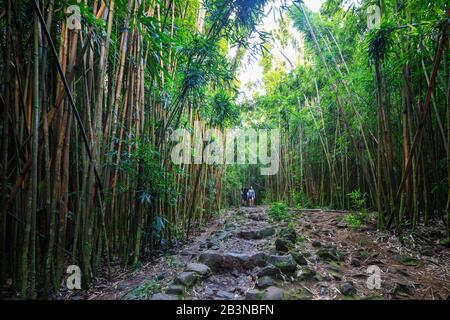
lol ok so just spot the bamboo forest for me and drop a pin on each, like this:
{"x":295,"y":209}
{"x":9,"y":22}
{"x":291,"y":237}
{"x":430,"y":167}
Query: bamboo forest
{"x":225,"y":150}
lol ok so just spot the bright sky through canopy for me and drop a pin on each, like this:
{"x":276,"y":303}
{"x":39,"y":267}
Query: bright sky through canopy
{"x":250,"y":73}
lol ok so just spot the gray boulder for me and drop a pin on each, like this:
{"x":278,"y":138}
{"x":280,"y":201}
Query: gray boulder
{"x":299,"y":258}
{"x":288,"y":234}
{"x":225,"y":295}
{"x":198,"y":268}
{"x":175,"y":290}
{"x":306,"y":274}
{"x":273,"y":293}
{"x":282,"y":245}
{"x":227,"y":261}
{"x":253,"y":295}
{"x":268,"y":271}
{"x":286,"y":264}
{"x":329,"y":254}
{"x":186,"y":279}
{"x":256,"y":234}
{"x":265,"y":282}
{"x":347,"y":288}
{"x":163,"y":296}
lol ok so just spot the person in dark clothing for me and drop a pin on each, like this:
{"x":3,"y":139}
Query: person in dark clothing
{"x":244,"y":192}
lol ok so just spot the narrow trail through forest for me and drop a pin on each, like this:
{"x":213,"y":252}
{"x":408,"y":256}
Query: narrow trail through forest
{"x":245,"y":255}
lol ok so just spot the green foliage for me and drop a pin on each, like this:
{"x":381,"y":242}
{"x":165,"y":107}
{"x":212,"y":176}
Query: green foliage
{"x":278,"y":212}
{"x":268,"y":197}
{"x":353,"y":220}
{"x":444,"y":242}
{"x":410,"y":261}
{"x":143,"y":165}
{"x":379,"y":43}
{"x":158,"y":229}
{"x":358,"y":203}
{"x":145,"y":291}
{"x":358,"y":200}
{"x":221,"y":110}
{"x":356,"y":219}
{"x":301,"y":200}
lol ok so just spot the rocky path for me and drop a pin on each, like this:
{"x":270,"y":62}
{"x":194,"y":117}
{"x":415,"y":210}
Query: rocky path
{"x":245,"y":255}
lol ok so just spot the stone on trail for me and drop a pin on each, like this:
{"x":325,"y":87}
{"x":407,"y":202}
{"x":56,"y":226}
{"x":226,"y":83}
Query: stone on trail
{"x":273,"y":293}
{"x":229,"y":261}
{"x":266,"y":232}
{"x":286,"y":264}
{"x":225,"y":295}
{"x":299,"y":258}
{"x":253,"y":295}
{"x":329,"y":254}
{"x":212,"y":259}
{"x":186,"y":279}
{"x":163,"y":296}
{"x":347,"y":288}
{"x":282,"y":245}
{"x":256,"y":234}
{"x":175,"y":290}
{"x":217,"y":237}
{"x":265,"y":282}
{"x":243,"y":260}
{"x":268,"y":271}
{"x":306,"y":274}
{"x":257,"y":216}
{"x":198,"y":268}
{"x":253,"y":210}
{"x":288,"y":234}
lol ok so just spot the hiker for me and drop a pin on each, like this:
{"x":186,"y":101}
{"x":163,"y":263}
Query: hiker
{"x":244,"y":196}
{"x":251,"y":196}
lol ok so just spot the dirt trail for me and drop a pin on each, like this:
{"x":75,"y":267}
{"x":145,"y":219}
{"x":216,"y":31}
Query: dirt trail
{"x":245,"y":255}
